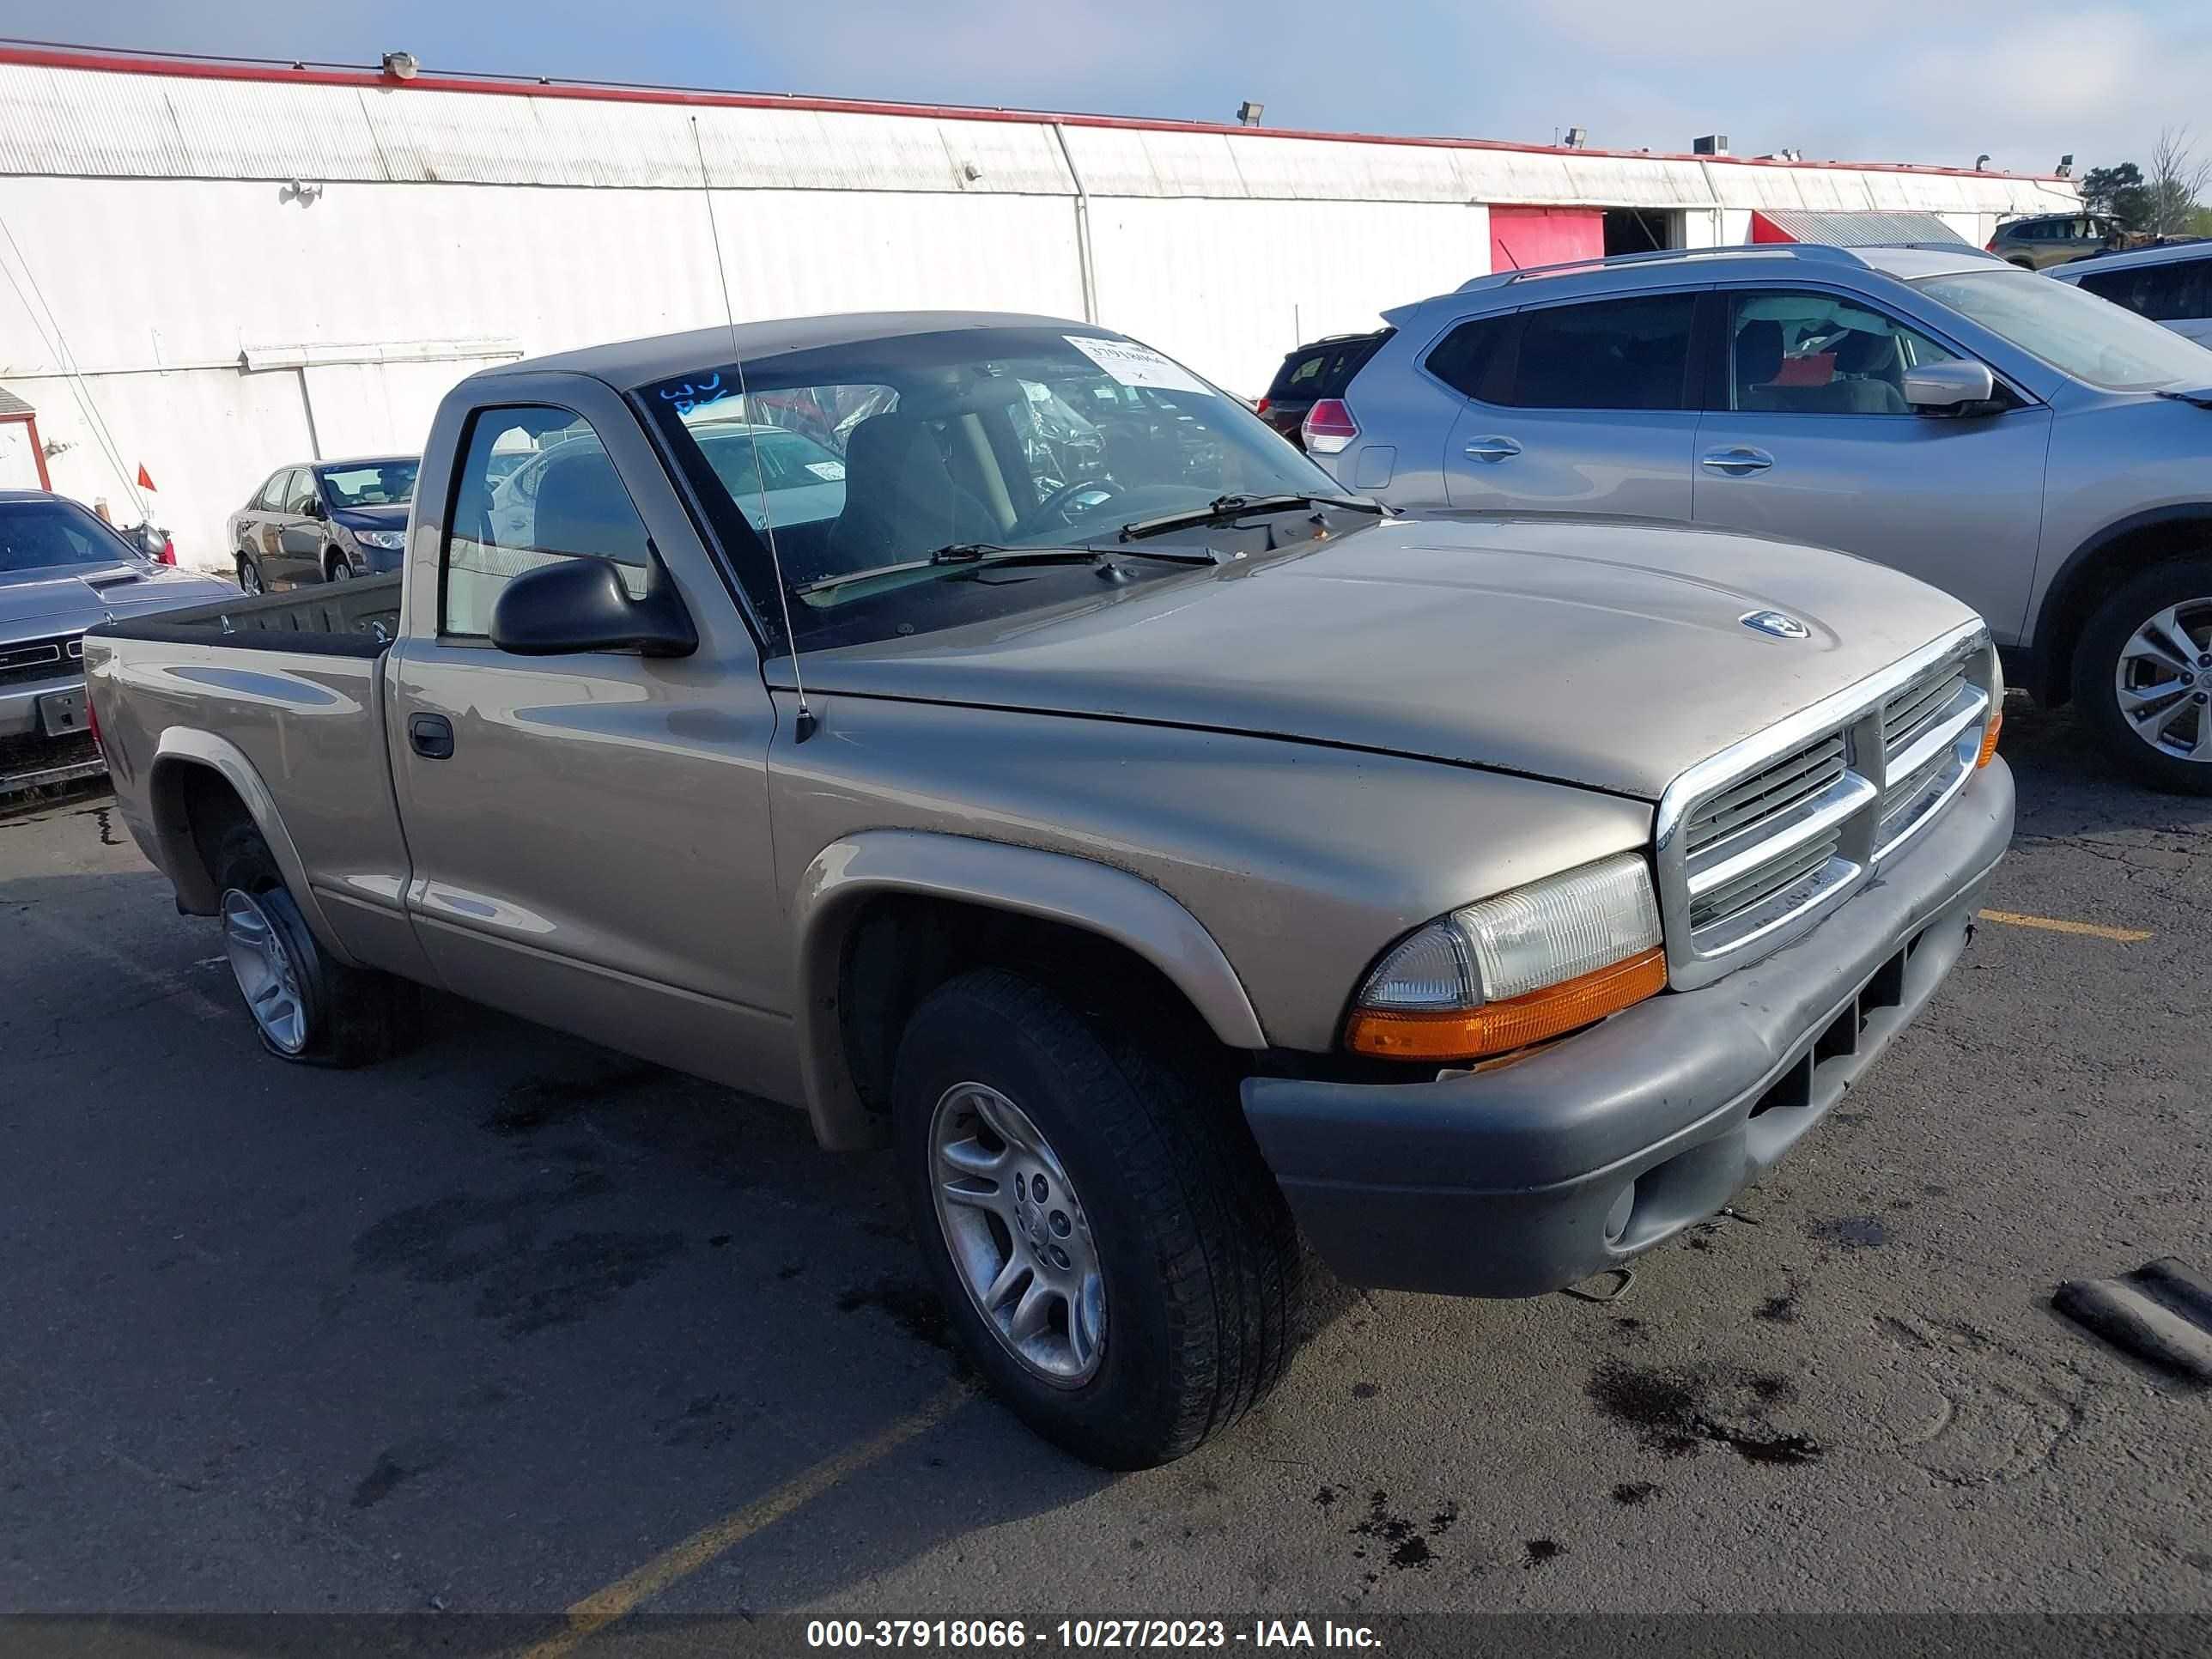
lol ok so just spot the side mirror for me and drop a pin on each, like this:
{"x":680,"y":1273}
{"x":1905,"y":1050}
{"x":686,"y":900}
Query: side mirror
{"x":1953,"y":387}
{"x":577,"y":604}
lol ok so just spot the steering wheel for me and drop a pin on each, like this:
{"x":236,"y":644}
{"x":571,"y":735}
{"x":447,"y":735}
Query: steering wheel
{"x":1103,"y":489}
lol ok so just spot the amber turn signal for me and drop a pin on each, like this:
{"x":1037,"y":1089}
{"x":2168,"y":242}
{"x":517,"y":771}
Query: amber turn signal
{"x":1990,"y":738}
{"x":1499,"y":1028}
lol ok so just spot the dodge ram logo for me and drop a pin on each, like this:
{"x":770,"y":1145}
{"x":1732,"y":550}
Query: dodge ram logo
{"x":1779,"y":623}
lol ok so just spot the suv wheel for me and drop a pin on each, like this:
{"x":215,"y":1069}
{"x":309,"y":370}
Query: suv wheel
{"x":2143,"y":674}
{"x":249,"y":576}
{"x":1109,"y":1245}
{"x":305,"y":1006}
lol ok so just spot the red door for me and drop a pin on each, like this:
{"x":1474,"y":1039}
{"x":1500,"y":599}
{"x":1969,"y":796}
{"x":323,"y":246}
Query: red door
{"x":1524,"y":236}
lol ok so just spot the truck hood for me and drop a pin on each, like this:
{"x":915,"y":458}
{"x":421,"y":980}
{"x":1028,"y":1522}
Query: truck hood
{"x":1607,"y":654}
{"x":69,"y":599}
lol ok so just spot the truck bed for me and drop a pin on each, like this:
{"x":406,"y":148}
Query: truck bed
{"x":341,"y":619}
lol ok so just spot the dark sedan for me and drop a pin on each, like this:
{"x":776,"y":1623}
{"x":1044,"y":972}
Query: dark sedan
{"x":325,"y":521}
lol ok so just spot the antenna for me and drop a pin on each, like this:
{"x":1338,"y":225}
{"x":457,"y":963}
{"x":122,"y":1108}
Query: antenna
{"x":803,"y":728}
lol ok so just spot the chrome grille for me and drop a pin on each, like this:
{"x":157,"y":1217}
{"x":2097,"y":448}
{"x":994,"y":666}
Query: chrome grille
{"x":1930,"y":733}
{"x":1757,"y":887}
{"x":1742,"y":809}
{"x":1913,"y":710}
{"x":1758,"y":843}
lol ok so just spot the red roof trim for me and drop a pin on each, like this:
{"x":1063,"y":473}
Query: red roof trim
{"x":270,"y":72}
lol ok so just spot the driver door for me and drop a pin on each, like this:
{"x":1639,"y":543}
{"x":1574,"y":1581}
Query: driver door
{"x":589,"y":831}
{"x":1807,"y":436}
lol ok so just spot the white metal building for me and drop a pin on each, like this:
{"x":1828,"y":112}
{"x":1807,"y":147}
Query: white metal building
{"x":218,"y":268}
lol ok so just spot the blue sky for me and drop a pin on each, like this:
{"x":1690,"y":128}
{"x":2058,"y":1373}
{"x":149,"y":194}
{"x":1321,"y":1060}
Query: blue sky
{"x":1895,"y":80}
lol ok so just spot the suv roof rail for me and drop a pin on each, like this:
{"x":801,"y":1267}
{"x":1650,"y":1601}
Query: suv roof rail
{"x":1816,"y":250}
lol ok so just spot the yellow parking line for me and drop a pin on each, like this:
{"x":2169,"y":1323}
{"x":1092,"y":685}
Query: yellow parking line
{"x":2053,"y":925}
{"x":602,"y":1607}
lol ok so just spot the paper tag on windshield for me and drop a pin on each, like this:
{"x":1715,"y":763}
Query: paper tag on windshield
{"x":828,"y":471}
{"x":1135,"y":365}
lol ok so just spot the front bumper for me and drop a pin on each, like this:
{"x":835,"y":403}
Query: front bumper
{"x":1529,"y":1176}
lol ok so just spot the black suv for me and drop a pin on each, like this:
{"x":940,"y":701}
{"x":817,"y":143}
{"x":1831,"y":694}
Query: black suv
{"x":1311,"y":372}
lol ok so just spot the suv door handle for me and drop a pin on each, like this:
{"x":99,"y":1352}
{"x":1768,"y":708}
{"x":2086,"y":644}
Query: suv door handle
{"x":431,"y":736}
{"x":1493,"y":449}
{"x":1737,"y":460}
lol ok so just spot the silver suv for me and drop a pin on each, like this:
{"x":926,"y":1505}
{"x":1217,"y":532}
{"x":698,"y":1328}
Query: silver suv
{"x":2045,"y":456}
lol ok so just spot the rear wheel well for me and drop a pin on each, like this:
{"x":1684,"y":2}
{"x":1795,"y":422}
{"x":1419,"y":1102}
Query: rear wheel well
{"x":196,"y":808}
{"x":901,"y":947}
{"x":2093,"y":579}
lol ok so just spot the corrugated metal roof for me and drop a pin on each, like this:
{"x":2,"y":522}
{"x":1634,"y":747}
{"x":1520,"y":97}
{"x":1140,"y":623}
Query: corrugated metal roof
{"x":74,"y":113}
{"x":1859,"y":229}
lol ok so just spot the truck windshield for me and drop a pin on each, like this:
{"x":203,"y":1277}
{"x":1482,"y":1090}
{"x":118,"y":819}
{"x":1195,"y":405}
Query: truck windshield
{"x":2076,"y":333}
{"x":47,"y":534}
{"x":872,"y":455}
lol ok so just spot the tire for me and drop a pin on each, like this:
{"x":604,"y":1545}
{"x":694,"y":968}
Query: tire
{"x":338,"y":570}
{"x":1198,"y":1259}
{"x":345,"y":1017}
{"x":2113,"y":648}
{"x":249,"y":576}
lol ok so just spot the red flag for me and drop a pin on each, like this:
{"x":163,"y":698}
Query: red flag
{"x":144,"y":483}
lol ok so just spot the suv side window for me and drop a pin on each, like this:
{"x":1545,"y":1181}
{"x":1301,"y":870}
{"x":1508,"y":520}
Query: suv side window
{"x":1469,"y":358}
{"x":574,"y":507}
{"x":1792,"y":352}
{"x":2166,"y":293}
{"x":1608,"y":354}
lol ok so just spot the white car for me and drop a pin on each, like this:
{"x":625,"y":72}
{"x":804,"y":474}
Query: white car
{"x":2171,"y":285}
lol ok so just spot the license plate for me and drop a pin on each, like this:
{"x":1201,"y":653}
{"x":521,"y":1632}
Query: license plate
{"x":61,"y":712}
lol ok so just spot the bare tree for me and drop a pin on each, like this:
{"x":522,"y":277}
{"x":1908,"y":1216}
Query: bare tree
{"x":2177,"y":178}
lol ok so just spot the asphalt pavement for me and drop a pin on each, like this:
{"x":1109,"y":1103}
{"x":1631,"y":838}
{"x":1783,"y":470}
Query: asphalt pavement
{"x":514,"y":1323}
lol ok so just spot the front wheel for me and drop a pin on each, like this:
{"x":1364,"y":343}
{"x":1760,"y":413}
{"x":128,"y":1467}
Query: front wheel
{"x":338,"y":571}
{"x":1109,"y":1245}
{"x":2142,"y":676}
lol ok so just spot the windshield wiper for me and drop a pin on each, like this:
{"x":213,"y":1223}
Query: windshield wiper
{"x":2202,"y":397}
{"x":1232,"y":507}
{"x":992,"y":553}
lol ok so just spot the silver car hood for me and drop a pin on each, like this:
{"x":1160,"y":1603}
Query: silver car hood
{"x":1606,"y":654}
{"x":68,"y":600}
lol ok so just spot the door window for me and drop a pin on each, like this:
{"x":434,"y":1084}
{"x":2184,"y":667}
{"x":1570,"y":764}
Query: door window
{"x":535,"y":485}
{"x":300,"y":493}
{"x":1793,"y":353}
{"x":1615,"y":354}
{"x":271,"y":498}
{"x":2175,"y":292}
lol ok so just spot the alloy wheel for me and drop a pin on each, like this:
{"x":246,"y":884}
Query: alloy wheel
{"x":249,"y":576}
{"x":2163,"y":680}
{"x":1017,"y":1234}
{"x":264,"y":971}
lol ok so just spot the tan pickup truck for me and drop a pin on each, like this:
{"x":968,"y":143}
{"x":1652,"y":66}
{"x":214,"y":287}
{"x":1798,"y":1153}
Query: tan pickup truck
{"x":983,"y":733}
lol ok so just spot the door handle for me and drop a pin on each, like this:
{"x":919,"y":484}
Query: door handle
{"x":1493,"y":450}
{"x":431,"y":736}
{"x":1737,"y":461}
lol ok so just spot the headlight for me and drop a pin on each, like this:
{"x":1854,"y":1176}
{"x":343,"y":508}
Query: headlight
{"x":391,"y":541}
{"x":1512,"y":970}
